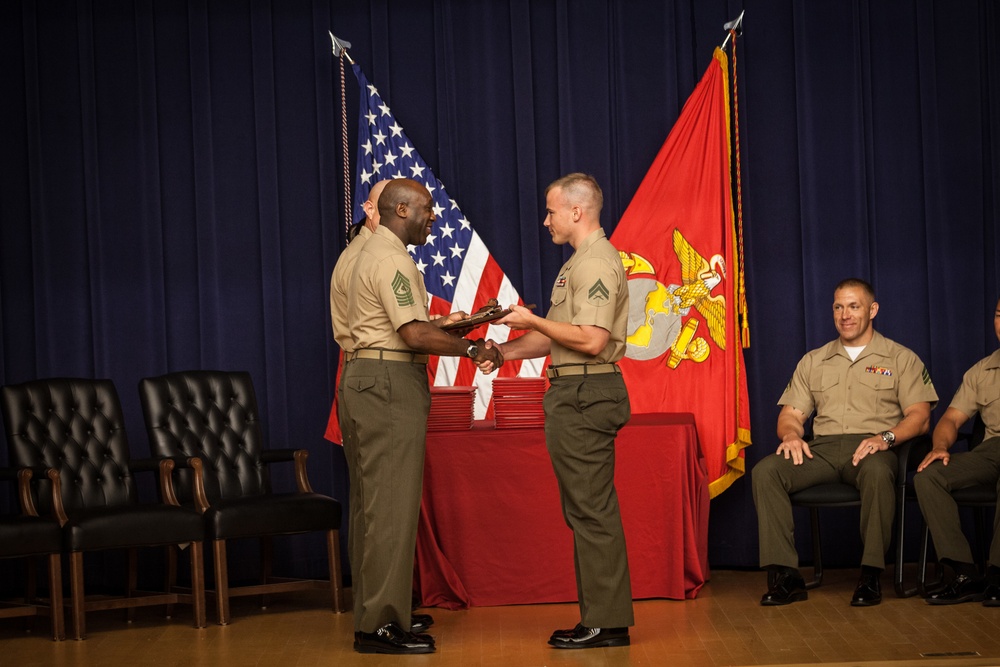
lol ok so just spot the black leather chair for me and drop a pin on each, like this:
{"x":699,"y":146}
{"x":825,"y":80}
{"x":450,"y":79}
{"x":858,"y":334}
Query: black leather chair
{"x":74,"y":429}
{"x":27,"y":536}
{"x":838,"y":494}
{"x":980,"y":498}
{"x":207,"y":422}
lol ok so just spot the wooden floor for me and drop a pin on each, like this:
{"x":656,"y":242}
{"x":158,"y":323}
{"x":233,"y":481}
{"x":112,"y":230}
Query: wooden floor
{"x":724,"y":626}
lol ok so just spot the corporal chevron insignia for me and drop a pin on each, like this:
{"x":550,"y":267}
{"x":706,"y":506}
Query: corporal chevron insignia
{"x":926,"y":376}
{"x":401,"y":288}
{"x":598,"y":294}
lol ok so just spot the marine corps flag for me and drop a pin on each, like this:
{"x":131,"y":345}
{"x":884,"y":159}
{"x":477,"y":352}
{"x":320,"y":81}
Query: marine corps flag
{"x":677,"y":239}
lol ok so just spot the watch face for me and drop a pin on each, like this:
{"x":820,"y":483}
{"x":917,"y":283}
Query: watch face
{"x":473,"y":351}
{"x":889,"y":437}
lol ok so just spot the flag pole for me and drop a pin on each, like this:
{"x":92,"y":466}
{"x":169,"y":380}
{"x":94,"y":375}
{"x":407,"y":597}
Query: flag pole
{"x":341,"y":46}
{"x":340,"y":53}
{"x":734,"y":25}
{"x":735,"y":28}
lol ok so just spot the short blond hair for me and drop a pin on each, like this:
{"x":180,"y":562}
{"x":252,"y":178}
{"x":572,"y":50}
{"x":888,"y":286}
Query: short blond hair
{"x":581,"y":189}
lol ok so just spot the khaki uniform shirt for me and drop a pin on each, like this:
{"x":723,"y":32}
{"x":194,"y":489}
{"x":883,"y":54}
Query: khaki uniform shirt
{"x":386,"y":292}
{"x":339,"y":284}
{"x":591,"y":289}
{"x":980,"y":392}
{"x":867,"y":395}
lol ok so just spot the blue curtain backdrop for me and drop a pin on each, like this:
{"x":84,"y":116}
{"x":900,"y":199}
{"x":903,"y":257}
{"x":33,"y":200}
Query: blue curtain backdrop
{"x":171,"y":180}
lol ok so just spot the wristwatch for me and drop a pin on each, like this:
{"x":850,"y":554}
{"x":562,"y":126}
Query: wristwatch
{"x":889,"y":437}
{"x":473,"y":351}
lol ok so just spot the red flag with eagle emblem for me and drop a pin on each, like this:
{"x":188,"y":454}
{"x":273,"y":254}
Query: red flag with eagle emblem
{"x":677,"y":239}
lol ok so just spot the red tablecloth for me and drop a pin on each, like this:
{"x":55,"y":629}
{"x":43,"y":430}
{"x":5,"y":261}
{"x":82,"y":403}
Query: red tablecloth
{"x":492,"y":532}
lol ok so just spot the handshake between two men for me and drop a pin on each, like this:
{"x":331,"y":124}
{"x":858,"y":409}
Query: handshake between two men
{"x":489,"y":355}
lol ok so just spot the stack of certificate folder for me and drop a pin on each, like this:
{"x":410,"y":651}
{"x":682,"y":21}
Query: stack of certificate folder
{"x":451,"y":408}
{"x":517,"y":402}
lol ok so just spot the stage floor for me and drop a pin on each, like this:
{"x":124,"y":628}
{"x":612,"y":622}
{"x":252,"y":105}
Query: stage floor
{"x":723,"y":626}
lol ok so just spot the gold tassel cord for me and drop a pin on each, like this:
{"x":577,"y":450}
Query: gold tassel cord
{"x":742,"y":305}
{"x":343,"y":133}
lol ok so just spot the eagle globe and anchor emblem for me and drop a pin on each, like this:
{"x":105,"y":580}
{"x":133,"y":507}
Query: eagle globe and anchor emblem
{"x":660,"y":317}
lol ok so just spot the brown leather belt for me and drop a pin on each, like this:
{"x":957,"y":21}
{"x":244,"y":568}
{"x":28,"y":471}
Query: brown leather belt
{"x":581,"y":369}
{"x":390,"y":355}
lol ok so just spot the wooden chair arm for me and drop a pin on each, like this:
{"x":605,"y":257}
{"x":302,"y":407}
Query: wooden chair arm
{"x":200,"y":497}
{"x":24,"y":492}
{"x":166,"y":467}
{"x":301,"y":478}
{"x":299,"y":456}
{"x":57,"y":501}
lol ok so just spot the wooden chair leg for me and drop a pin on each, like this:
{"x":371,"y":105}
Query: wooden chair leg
{"x":336,"y":582}
{"x":170,"y":551}
{"x":817,"y":550}
{"x":133,"y":577}
{"x":31,"y":583}
{"x":922,"y":573}
{"x":983,"y":536}
{"x":76,"y":594}
{"x":56,"y":598}
{"x":266,"y":567}
{"x":898,"y":580}
{"x":30,"y":590}
{"x":198,"y":584}
{"x":221,"y":581}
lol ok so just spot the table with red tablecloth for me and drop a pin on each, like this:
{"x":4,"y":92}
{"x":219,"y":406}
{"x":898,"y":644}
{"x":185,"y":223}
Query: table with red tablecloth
{"x":492,"y":531}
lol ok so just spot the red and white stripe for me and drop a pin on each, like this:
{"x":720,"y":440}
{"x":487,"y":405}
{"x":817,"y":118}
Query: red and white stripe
{"x":481,"y":279}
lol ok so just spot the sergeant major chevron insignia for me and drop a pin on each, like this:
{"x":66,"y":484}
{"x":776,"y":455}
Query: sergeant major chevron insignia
{"x":401,"y":288}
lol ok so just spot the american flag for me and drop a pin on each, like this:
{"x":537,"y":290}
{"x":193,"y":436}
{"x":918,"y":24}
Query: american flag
{"x":459,"y":271}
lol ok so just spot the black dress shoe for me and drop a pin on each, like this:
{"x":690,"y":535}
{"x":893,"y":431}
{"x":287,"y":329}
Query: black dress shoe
{"x":420,"y":622}
{"x":784,"y":588}
{"x":392,"y":639}
{"x":868,"y":592}
{"x":991,"y":595}
{"x":962,"y":588}
{"x":583,"y":637}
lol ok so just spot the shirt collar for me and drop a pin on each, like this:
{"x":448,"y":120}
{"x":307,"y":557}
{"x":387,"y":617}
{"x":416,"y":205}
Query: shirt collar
{"x":876,"y":346}
{"x":591,"y":239}
{"x":391,"y":237}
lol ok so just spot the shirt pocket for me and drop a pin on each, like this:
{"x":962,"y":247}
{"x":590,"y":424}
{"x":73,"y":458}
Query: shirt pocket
{"x":879,"y":392}
{"x":824,"y":381}
{"x":990,"y":408}
{"x":877,"y":382}
{"x":558,"y":295}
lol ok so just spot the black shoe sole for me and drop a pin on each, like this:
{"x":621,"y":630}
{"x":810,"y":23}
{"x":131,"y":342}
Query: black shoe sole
{"x":392,"y":651}
{"x":973,"y":597}
{"x":795,"y":597}
{"x":604,"y":643}
{"x":866,"y":603}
